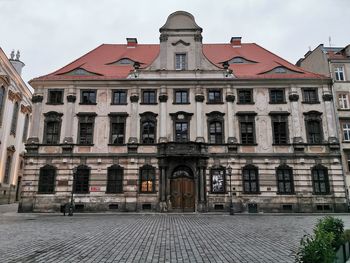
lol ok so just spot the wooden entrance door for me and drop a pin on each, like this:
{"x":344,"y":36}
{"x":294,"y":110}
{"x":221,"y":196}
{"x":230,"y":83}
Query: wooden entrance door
{"x":182,"y":194}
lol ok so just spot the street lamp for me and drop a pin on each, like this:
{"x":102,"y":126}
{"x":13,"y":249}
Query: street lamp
{"x":229,"y":171}
{"x":70,"y":209}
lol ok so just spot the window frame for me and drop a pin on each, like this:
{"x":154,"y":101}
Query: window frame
{"x":151,"y":118}
{"x":185,"y":91}
{"x":183,"y":64}
{"x":119,"y":102}
{"x":92,"y":91}
{"x":216,"y":117}
{"x":247,"y":119}
{"x":343,"y":102}
{"x":181,"y":117}
{"x":49,"y":98}
{"x":56,"y":118}
{"x":275,"y":101}
{"x":313,"y":117}
{"x":25,"y":128}
{"x":307,"y":98}
{"x":84,"y":185}
{"x":339,"y":73}
{"x":8,"y":168}
{"x":280,"y":118}
{"x":149,"y":177}
{"x":2,"y":102}
{"x":219,"y":99}
{"x":144,"y":91}
{"x":250,"y":168}
{"x":49,"y":182}
{"x":212,"y":171}
{"x":115,"y":185}
{"x":317,"y":182}
{"x":117,"y":118}
{"x":83,"y":118}
{"x":346,"y":131}
{"x":245,"y":101}
{"x":285,"y":168}
{"x":14,"y":120}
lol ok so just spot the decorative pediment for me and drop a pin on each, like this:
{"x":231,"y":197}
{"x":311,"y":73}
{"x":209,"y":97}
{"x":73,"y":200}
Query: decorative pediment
{"x":180,"y":42}
{"x":80,"y":72}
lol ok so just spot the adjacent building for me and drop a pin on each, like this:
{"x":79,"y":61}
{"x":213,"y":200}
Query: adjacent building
{"x":334,"y":62}
{"x":183,"y":126}
{"x":15,"y":115}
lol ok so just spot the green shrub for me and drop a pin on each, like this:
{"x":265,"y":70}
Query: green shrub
{"x":346,"y":235}
{"x":333,"y":225}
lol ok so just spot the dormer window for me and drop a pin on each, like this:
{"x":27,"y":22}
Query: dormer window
{"x":240,"y":60}
{"x":180,"y":61}
{"x":124,"y":61}
{"x":280,"y":70}
{"x":80,"y":72}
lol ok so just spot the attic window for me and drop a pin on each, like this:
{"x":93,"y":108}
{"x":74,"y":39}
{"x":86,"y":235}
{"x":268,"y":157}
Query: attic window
{"x":280,"y":70}
{"x":240,"y":60}
{"x":124,"y":61}
{"x":79,"y":72}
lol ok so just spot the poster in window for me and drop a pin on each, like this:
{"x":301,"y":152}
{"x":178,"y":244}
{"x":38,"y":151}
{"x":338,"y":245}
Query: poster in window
{"x":218,"y":181}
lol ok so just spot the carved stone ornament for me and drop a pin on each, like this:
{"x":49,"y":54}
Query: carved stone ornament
{"x":327,"y":97}
{"x":230,"y":98}
{"x":26,"y":109}
{"x":163,"y":98}
{"x":17,"y":96}
{"x":134,"y":98}
{"x":37,"y":98}
{"x":198,"y":38}
{"x":71,"y":98}
{"x":199,"y":97}
{"x":163,"y":37}
{"x":293,"y":97}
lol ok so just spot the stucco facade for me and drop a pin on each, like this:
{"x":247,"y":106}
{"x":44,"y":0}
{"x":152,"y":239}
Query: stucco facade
{"x":184,"y":130}
{"x":15,"y":114}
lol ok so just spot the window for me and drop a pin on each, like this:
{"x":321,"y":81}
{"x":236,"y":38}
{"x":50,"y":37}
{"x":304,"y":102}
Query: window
{"x":181,"y":97}
{"x":149,"y":97}
{"x":147,"y":179}
{"x":346,"y":131}
{"x":8,"y":168}
{"x":117,"y":126}
{"x":180,"y":61}
{"x":148,"y":127}
{"x":277,"y":96}
{"x":310,"y":95}
{"x":81,"y":180}
{"x":339,"y":73}
{"x":215,"y":127}
{"x":320,"y":180}
{"x":285,"y":183}
{"x":181,"y":126}
{"x":88,"y":97}
{"x":2,"y":102}
{"x":313,"y":124}
{"x":247,"y":128}
{"x":115,"y":179}
{"x":250,"y":179}
{"x":86,"y":128}
{"x":25,"y":128}
{"x":119,"y":97}
{"x":55,"y":97}
{"x":52,"y":127}
{"x":343,"y":100}
{"x":280,"y":129}
{"x":47,"y":180}
{"x":14,"y":119}
{"x":218,"y":180}
{"x":214,"y":96}
{"x":348,"y":157}
{"x":245,"y":96}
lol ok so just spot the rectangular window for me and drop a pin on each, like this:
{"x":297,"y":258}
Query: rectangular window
{"x":119,"y":97}
{"x":181,"y":97}
{"x":46,"y":180}
{"x":88,"y":97}
{"x":181,"y":131}
{"x":147,"y":180}
{"x":214,"y":96}
{"x":285,"y":181}
{"x":117,"y":129}
{"x":81,"y":182}
{"x":348,"y":157}
{"x":180,"y":61}
{"x":280,"y":129}
{"x":339,"y":73}
{"x":55,"y":97}
{"x":346,"y":131}
{"x":310,"y":95}
{"x":218,"y":180}
{"x":52,"y":132}
{"x":86,"y":129}
{"x":277,"y":96}
{"x":245,"y":96}
{"x":115,"y":180}
{"x":247,"y":128}
{"x":8,"y":168}
{"x":320,"y":181}
{"x":314,"y":131}
{"x":343,"y":100}
{"x":250,"y":180}
{"x":149,"y":97}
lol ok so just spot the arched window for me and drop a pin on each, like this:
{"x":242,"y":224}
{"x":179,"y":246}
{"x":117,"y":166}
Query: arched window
{"x":147,"y":179}
{"x":2,"y":102}
{"x":8,"y":168}
{"x":250,"y":179}
{"x":115,"y":179}
{"x":25,"y":128}
{"x":215,"y":127}
{"x":148,"y":127}
{"x":313,"y":124}
{"x":285,"y":184}
{"x":81,"y":180}
{"x":14,"y":118}
{"x":218,"y":181}
{"x":52,"y":128}
{"x":47,"y":180}
{"x":320,"y":180}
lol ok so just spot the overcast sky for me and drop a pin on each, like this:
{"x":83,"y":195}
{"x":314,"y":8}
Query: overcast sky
{"x":52,"y":33}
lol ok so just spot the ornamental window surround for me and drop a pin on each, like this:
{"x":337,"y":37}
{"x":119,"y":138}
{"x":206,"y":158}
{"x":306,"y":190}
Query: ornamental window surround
{"x":148,"y":124}
{"x":147,"y":179}
{"x":181,"y":122}
{"x":115,"y":174}
{"x":320,"y":180}
{"x":250,"y":176}
{"x":86,"y":128}
{"x":279,"y":123}
{"x":52,"y":127}
{"x":47,"y":176}
{"x":285,"y":183}
{"x":313,"y":125}
{"x":215,"y":122}
{"x":117,"y":127}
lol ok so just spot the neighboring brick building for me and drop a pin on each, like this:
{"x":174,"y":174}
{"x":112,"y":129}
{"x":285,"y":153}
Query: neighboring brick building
{"x":334,"y":62}
{"x":183,"y":126}
{"x":15,"y":114}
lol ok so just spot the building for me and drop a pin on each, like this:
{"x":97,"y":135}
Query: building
{"x":334,"y":62}
{"x":183,"y":126}
{"x":15,"y":115}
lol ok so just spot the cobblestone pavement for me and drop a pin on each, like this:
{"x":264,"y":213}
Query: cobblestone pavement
{"x":151,"y":237}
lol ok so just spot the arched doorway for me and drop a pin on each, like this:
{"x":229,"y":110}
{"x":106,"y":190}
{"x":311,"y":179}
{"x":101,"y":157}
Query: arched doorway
{"x":182,"y":189}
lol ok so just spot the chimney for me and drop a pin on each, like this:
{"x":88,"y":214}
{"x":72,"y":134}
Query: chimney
{"x":131,"y":42}
{"x":236,"y":41}
{"x":16,"y":63}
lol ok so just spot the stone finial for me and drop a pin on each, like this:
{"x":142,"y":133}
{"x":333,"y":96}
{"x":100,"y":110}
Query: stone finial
{"x":12,"y":56}
{"x":18,"y":54}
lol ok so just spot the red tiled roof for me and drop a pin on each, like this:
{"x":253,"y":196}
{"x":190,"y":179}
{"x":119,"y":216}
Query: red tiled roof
{"x":98,"y":62}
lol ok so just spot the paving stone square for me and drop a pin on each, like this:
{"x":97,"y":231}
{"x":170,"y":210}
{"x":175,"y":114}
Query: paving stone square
{"x":152,"y":237}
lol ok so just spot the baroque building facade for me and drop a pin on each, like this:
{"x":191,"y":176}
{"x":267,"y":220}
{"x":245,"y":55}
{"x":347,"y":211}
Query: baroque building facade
{"x":15,"y":115}
{"x":183,"y":126}
{"x":334,"y":62}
